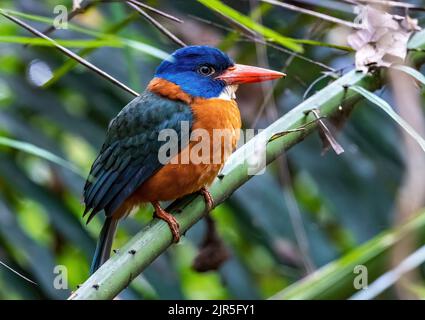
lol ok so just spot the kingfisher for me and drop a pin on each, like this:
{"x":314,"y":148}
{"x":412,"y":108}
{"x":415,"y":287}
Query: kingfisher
{"x":195,"y":86}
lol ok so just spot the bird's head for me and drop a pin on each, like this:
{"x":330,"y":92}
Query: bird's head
{"x":207,"y":72}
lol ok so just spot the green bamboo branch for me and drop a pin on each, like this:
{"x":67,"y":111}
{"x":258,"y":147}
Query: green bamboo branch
{"x":332,"y":101}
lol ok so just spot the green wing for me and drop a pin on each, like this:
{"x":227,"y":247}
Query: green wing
{"x":129,"y":155}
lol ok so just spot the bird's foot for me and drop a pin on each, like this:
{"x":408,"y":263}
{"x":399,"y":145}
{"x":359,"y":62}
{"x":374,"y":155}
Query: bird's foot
{"x":169,"y":219}
{"x":209,"y":201}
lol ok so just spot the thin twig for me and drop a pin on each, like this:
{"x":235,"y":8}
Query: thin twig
{"x":264,"y":42}
{"x":391,"y":277}
{"x":70,"y":54}
{"x":311,"y":86}
{"x":388,"y":3}
{"x":159,"y":26}
{"x":285,"y":178}
{"x":238,"y":26}
{"x":411,"y":192}
{"x":303,"y":128}
{"x":17,"y":273}
{"x":161,"y":13}
{"x":297,"y":55}
{"x":269,"y":94}
{"x":313,"y":13}
{"x":70,"y":64}
{"x":71,"y":16}
{"x":326,"y":135}
{"x":87,"y":5}
{"x":327,"y":4}
{"x":78,"y":11}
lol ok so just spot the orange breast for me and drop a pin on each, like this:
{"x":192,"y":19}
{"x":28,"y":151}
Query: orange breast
{"x":195,"y":167}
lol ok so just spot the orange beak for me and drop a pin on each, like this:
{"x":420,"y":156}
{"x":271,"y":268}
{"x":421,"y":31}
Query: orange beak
{"x":240,"y":73}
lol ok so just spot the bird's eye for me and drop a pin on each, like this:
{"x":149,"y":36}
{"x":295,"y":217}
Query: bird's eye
{"x":206,"y":70}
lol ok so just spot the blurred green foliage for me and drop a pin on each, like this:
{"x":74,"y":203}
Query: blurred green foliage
{"x":63,"y":108}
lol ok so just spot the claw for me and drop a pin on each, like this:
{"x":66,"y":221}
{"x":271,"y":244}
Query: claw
{"x":209,"y":201}
{"x":169,"y":219}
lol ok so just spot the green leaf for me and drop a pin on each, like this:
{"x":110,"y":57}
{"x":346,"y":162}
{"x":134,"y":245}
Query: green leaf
{"x":336,"y":278}
{"x":50,"y":21}
{"x":127,"y":43}
{"x":387,"y":108}
{"x":38,"y":258}
{"x":411,"y":72}
{"x":145,"y":48}
{"x":61,"y":217}
{"x":323,"y":44}
{"x":74,"y":43}
{"x":391,"y":277}
{"x":34,"y":150}
{"x":108,"y":39}
{"x":270,"y":34}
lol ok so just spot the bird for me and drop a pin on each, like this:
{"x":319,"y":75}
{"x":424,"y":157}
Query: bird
{"x":194,"y":86}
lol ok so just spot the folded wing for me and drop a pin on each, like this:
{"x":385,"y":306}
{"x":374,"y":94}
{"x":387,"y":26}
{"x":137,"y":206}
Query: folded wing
{"x":129,"y":155}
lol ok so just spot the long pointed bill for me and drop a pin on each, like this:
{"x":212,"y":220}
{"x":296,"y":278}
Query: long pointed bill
{"x":240,"y":73}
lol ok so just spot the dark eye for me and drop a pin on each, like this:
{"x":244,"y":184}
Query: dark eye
{"x":206,"y":70}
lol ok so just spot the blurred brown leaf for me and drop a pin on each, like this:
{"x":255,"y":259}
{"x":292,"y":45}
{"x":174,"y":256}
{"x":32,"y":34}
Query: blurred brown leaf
{"x":382,"y":38}
{"x":213,"y":252}
{"x":76,"y":4}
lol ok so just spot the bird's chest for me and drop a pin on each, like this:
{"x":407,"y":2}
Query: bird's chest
{"x":214,"y":136}
{"x":215,"y":130}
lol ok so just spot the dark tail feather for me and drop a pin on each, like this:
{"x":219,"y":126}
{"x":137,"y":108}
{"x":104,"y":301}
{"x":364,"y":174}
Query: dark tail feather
{"x":103,"y":248}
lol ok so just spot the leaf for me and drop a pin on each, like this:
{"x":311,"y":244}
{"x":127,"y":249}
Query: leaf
{"x":389,"y":278}
{"x":50,"y":21}
{"x":13,"y":287}
{"x":411,"y":72}
{"x":313,"y":13}
{"x":143,"y":47}
{"x":60,"y":215}
{"x":270,"y":34}
{"x":74,"y":43}
{"x":322,"y":44}
{"x":336,"y":278}
{"x":326,"y":136}
{"x":387,"y":108}
{"x":39,"y":152}
{"x":109,"y":39}
{"x":16,"y":272}
{"x":36,"y":258}
{"x":129,"y":43}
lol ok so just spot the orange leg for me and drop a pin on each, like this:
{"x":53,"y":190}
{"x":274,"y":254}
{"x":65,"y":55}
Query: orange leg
{"x":209,"y":202}
{"x":167,"y":217}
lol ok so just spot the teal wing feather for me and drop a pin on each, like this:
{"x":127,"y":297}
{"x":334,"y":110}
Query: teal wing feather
{"x":129,"y":155}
